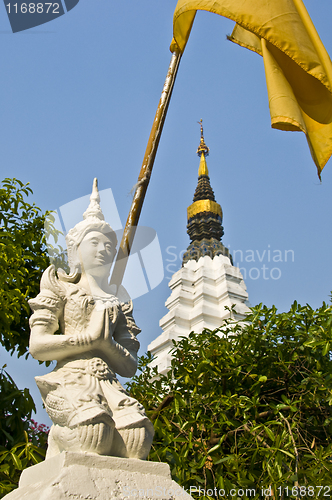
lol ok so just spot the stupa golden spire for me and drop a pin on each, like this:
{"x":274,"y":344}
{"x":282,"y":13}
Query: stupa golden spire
{"x":204,"y":200}
{"x":202,"y":151}
{"x":204,"y":214}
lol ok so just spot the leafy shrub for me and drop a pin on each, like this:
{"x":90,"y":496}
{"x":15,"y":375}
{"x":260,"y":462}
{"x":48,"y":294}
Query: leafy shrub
{"x":248,"y":405}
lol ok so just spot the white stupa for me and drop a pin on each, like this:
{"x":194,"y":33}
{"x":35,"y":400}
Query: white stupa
{"x":207,"y":281}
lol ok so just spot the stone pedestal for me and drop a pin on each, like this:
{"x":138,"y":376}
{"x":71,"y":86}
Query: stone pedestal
{"x":85,"y":476}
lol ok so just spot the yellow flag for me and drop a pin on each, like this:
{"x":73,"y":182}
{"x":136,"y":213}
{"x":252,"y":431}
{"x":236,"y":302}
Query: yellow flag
{"x":297,"y":67}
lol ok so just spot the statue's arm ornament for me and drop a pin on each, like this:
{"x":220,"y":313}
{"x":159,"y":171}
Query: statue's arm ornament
{"x":46,"y":319}
{"x":47,"y":308}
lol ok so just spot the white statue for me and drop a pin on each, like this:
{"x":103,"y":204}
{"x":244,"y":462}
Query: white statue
{"x":89,"y":408}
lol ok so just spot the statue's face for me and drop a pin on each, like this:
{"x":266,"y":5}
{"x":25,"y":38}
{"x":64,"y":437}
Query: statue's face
{"x":96,"y":253}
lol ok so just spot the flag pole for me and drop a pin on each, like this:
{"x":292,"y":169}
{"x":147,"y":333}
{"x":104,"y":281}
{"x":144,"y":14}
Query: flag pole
{"x":145,"y":173}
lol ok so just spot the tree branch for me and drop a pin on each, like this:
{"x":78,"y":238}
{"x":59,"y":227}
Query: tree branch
{"x":294,"y":446}
{"x":165,"y":402}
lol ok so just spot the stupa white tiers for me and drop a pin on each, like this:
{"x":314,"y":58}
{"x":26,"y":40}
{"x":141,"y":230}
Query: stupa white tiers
{"x":200,"y":293}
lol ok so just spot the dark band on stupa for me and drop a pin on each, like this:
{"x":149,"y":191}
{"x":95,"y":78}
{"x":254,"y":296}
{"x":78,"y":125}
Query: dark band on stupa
{"x":204,"y":215}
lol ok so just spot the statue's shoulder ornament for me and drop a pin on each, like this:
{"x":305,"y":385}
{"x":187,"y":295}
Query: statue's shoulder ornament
{"x":52,"y":292}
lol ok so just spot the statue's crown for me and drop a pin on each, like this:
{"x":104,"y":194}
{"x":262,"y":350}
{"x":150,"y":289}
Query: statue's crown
{"x":93,"y":220}
{"x":94,"y":209}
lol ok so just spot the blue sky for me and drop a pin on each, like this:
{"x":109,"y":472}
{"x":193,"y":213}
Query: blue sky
{"x":78,"y":100}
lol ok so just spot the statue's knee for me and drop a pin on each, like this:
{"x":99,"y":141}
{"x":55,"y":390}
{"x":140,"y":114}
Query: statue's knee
{"x":133,"y":442}
{"x":93,"y":437}
{"x":96,"y":437}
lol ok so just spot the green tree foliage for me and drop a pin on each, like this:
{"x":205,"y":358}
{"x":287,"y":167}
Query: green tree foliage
{"x":22,"y":441}
{"x":23,"y":259}
{"x":247,"y":406}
